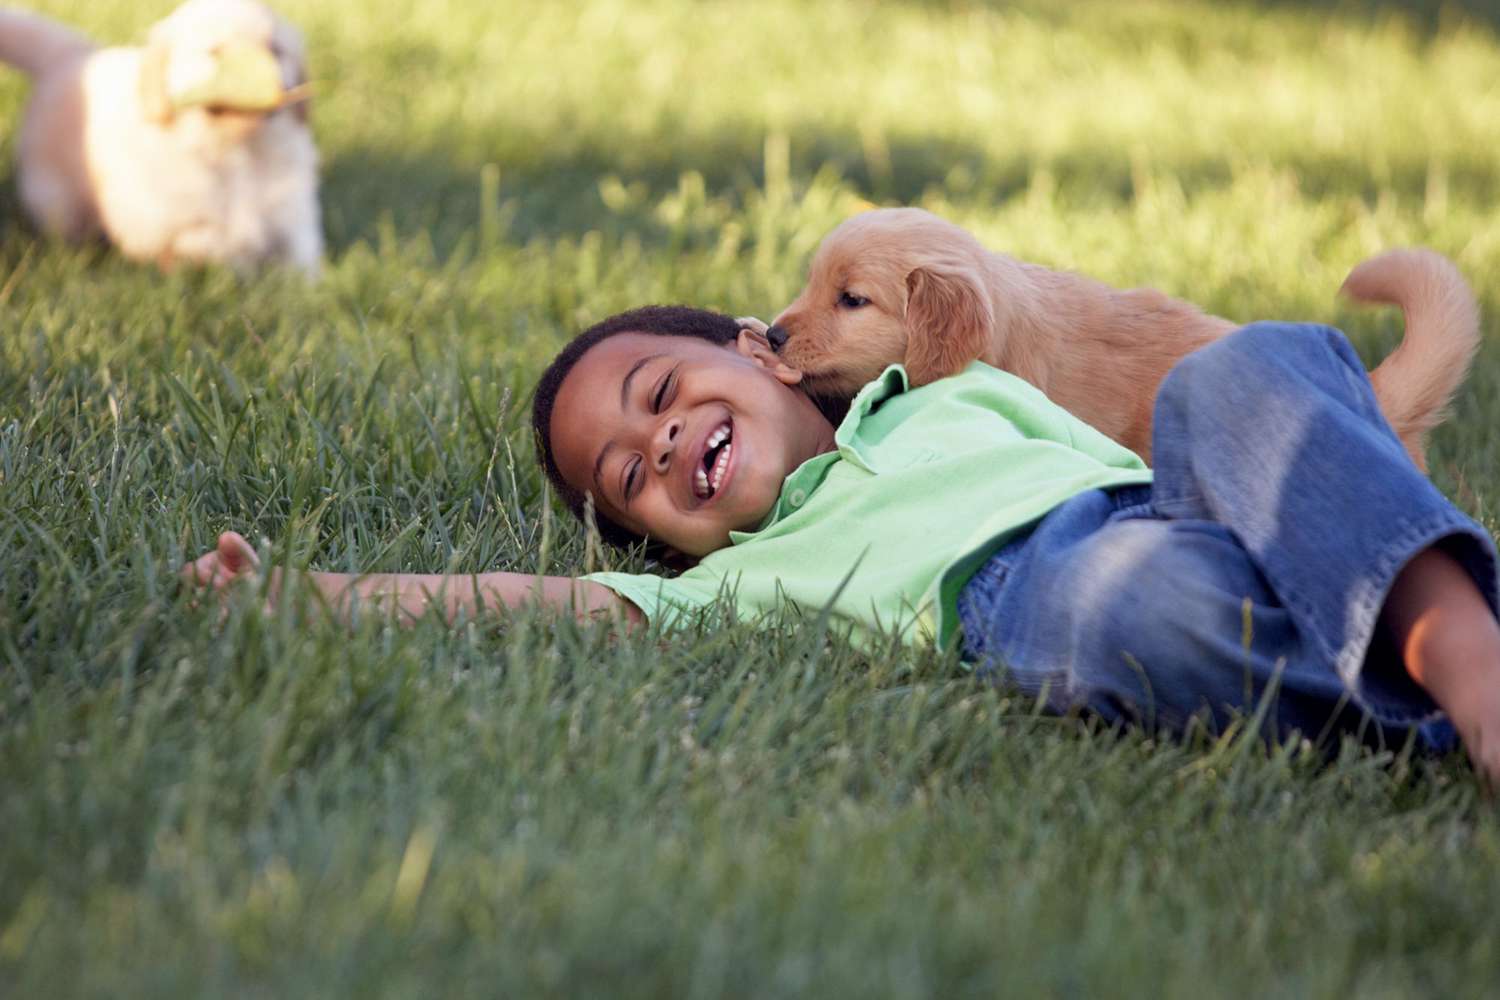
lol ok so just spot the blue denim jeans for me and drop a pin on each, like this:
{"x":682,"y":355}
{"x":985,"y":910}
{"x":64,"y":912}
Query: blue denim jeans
{"x":1258,"y":560}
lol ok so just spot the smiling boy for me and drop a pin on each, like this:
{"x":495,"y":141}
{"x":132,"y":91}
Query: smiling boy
{"x":973,"y":510}
{"x":699,"y":444}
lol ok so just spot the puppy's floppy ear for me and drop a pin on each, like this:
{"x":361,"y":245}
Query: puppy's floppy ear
{"x":155,"y":103}
{"x":948,"y":321}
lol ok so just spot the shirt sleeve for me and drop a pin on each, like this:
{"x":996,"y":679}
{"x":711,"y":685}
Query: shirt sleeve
{"x":667,"y":602}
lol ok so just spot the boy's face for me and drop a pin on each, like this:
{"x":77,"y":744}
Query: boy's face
{"x":682,"y":439}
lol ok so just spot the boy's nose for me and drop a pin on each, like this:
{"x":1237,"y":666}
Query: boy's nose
{"x":667,"y":435}
{"x":777,"y":336}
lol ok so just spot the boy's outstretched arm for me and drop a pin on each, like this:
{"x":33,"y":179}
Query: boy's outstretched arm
{"x":413,"y":595}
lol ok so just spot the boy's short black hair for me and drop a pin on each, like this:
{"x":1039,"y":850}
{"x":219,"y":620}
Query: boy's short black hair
{"x":660,"y":321}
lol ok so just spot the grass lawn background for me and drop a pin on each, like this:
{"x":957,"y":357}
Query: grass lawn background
{"x":267,"y":807}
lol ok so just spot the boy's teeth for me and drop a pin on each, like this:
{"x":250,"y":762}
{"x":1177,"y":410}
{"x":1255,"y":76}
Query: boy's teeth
{"x":706,"y":478}
{"x":720,"y":465}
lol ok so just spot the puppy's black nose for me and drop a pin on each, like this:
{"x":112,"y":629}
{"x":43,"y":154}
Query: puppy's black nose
{"x":777,"y":336}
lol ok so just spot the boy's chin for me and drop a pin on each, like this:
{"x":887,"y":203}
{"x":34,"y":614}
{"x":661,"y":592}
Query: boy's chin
{"x":733,"y":521}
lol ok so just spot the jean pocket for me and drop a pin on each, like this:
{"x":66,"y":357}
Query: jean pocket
{"x":1132,"y":502}
{"x":978,"y":600}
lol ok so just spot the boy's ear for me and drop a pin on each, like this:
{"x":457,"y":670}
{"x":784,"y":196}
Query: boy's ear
{"x":753,"y":344}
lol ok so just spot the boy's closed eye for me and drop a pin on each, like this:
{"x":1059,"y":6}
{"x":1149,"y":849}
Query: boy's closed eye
{"x":667,"y":382}
{"x":632,"y":476}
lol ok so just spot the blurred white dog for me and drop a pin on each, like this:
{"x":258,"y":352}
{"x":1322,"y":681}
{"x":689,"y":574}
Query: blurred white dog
{"x":194,"y":148}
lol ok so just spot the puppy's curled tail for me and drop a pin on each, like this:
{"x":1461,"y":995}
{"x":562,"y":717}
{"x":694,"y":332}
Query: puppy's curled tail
{"x":35,"y":44}
{"x":1416,"y":381}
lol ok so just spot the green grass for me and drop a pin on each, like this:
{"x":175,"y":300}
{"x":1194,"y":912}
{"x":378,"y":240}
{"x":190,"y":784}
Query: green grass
{"x":271,"y":807}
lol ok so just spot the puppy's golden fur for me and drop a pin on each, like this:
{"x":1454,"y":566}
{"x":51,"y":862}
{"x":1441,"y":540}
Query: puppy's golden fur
{"x":903,"y":285}
{"x":106,"y":147}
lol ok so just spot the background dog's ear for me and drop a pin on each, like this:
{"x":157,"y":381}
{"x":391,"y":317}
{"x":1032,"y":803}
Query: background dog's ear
{"x":291,"y":53}
{"x":155,"y":103}
{"x":948,"y":322}
{"x":299,"y":79}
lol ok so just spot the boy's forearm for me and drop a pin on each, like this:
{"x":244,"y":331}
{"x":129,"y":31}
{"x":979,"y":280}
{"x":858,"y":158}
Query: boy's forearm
{"x":410,"y":596}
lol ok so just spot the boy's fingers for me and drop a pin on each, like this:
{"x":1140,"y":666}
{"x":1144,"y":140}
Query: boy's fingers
{"x":229,"y":560}
{"x":203,"y":574}
{"x":202,"y":571}
{"x":751,"y":323}
{"x":236,"y":554}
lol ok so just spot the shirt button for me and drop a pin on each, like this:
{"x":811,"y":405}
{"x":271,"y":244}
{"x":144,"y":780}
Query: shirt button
{"x":797,"y":498}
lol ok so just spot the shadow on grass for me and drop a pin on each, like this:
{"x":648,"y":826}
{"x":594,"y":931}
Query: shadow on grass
{"x":552,"y":196}
{"x":547,"y":195}
{"x":1430,"y":17}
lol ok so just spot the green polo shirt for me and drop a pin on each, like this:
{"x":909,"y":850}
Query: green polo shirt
{"x":925,"y":484}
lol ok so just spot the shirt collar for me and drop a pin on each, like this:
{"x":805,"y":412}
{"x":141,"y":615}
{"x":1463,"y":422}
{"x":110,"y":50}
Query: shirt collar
{"x":891,"y":382}
{"x":808,"y":476}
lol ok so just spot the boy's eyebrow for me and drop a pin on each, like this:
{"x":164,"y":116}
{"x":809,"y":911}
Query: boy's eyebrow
{"x":625,"y":382}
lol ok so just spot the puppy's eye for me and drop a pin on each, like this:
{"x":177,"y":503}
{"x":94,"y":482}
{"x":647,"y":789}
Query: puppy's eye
{"x":848,"y":300}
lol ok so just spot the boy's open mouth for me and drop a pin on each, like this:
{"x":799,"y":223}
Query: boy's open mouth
{"x":709,"y":475}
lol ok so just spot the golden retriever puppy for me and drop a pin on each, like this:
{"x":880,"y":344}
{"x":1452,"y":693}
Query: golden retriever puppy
{"x":901,"y":284}
{"x":193,"y":148}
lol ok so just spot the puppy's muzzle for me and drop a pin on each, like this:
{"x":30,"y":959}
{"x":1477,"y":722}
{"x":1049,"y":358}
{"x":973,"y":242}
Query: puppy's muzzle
{"x":777,"y":337}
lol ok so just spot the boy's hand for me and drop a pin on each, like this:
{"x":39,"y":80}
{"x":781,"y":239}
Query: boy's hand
{"x":752,"y":324}
{"x":232,"y":561}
